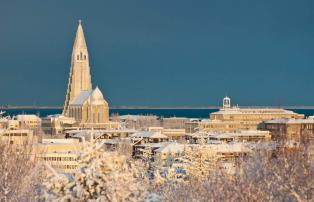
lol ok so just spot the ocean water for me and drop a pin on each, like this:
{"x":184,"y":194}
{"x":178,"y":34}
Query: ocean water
{"x":189,"y":113}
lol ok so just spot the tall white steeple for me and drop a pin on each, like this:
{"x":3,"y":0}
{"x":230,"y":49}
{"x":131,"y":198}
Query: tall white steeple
{"x":80,"y":78}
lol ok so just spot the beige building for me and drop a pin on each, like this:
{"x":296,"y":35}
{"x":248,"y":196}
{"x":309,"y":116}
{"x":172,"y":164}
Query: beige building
{"x":60,"y":154}
{"x":21,"y":121}
{"x":29,"y":121}
{"x":242,"y":136}
{"x":143,"y":137}
{"x":88,"y":134}
{"x":173,"y":134}
{"x":17,"y":137}
{"x":287,"y":129}
{"x":232,"y":119}
{"x":87,"y":106}
{"x":57,"y":124}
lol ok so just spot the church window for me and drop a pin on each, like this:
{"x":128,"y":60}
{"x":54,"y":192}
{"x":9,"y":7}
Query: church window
{"x":81,"y":56}
{"x":84,"y":57}
{"x":78,"y":57}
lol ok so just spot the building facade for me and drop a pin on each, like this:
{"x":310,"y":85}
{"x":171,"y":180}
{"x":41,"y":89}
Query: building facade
{"x":232,"y":119}
{"x":291,"y":129}
{"x":29,"y":121}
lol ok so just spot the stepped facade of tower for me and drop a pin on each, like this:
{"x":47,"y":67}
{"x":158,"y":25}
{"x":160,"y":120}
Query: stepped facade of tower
{"x":86,"y":105}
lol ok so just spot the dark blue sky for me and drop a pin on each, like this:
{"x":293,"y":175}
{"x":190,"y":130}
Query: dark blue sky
{"x":161,"y":52}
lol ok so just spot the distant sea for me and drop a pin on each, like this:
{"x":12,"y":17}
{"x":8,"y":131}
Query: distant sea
{"x":189,"y":113}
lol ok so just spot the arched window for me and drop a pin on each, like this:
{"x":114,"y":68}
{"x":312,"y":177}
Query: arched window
{"x":78,"y":57}
{"x":84,"y":57}
{"x":81,"y":55}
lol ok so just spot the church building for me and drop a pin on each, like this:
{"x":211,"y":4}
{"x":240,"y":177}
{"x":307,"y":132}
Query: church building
{"x":85,"y":104}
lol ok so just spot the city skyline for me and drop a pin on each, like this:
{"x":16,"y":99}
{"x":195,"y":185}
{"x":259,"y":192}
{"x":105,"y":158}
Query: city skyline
{"x":257,"y":57}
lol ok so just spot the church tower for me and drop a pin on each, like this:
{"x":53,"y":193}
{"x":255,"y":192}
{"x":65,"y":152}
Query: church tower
{"x":83,"y":103}
{"x":80,"y":78}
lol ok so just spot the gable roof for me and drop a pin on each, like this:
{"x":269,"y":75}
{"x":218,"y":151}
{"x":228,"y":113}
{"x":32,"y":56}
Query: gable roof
{"x":81,"y":98}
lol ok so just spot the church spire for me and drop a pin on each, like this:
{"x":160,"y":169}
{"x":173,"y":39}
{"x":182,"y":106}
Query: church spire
{"x":80,"y":78}
{"x":79,"y":42}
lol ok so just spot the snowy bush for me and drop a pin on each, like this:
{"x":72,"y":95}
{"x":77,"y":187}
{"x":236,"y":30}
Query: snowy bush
{"x":103,"y":176}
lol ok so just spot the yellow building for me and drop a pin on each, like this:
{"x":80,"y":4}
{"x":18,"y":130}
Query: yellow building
{"x":287,"y":129}
{"x":57,"y":124}
{"x":173,"y":134}
{"x":232,"y":119}
{"x":29,"y":121}
{"x":18,"y":137}
{"x":242,"y":136}
{"x":60,"y":154}
{"x":143,"y":137}
{"x":21,"y":121}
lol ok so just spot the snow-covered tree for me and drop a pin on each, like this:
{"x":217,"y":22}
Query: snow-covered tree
{"x":287,"y":176}
{"x":103,"y":176}
{"x":20,"y":174}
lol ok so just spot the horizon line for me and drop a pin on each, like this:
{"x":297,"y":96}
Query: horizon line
{"x":4,"y":107}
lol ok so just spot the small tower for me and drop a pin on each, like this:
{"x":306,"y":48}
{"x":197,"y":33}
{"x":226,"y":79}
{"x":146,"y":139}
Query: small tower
{"x":226,"y":104}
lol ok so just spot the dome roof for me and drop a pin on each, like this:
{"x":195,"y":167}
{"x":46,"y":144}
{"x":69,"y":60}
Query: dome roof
{"x":226,"y":97}
{"x":97,"y":98}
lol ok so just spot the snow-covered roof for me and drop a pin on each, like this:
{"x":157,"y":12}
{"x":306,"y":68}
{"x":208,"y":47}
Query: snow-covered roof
{"x":134,"y":117}
{"x":116,"y":141}
{"x":81,"y":98}
{"x":9,"y":131}
{"x":149,"y":134}
{"x":237,"y":110}
{"x":171,"y":147}
{"x":97,"y":98}
{"x":102,"y":131}
{"x":198,"y":135}
{"x":152,"y":145}
{"x":27,"y":116}
{"x":176,"y":118}
{"x":205,"y":120}
{"x":291,"y":121}
{"x":58,"y":141}
{"x":79,"y":135}
{"x":55,"y":116}
{"x":254,"y":133}
{"x":215,"y":142}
